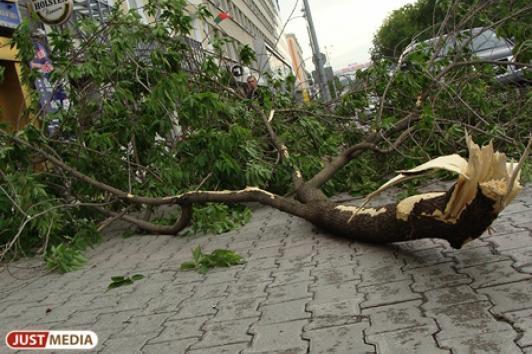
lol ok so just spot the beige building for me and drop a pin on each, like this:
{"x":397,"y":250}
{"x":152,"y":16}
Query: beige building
{"x":298,"y":65}
{"x":251,"y":22}
{"x":254,"y":23}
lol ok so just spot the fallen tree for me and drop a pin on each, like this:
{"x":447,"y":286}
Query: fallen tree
{"x":120,"y":153}
{"x":487,"y":183}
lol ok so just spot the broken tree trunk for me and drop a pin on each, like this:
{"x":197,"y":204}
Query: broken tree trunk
{"x":485,"y":185}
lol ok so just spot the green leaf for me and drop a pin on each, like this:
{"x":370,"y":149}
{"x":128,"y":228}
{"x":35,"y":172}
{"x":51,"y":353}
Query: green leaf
{"x":218,"y":258}
{"x":188,"y":265}
{"x":116,"y":284}
{"x":197,"y":254}
{"x":136,"y":277}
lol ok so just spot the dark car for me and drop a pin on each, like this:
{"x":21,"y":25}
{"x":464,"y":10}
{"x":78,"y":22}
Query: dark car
{"x":482,"y":43}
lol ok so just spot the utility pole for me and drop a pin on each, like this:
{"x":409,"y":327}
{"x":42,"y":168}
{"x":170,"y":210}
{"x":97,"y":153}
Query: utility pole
{"x":318,"y":57}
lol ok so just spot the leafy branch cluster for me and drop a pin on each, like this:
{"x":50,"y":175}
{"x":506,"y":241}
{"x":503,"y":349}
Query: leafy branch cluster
{"x":217,"y":258}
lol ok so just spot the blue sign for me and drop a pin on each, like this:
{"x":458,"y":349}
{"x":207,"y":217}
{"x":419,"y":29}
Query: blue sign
{"x":9,"y":16}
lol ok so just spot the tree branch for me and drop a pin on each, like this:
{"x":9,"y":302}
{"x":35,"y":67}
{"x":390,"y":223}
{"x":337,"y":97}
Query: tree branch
{"x":348,"y":154}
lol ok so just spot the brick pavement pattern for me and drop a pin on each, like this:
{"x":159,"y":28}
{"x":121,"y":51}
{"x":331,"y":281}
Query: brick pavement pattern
{"x":300,"y":291}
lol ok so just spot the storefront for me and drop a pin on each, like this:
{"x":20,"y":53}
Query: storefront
{"x":14,"y":97}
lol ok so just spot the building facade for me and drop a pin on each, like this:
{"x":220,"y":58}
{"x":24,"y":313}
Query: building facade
{"x":252,"y":22}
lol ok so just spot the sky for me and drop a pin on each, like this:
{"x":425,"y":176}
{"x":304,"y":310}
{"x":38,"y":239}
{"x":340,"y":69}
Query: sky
{"x":345,"y":28}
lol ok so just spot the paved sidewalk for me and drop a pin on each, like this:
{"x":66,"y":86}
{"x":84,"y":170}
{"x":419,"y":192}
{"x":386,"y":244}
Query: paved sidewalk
{"x":300,"y":291}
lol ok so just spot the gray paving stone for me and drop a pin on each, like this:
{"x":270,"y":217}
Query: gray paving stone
{"x":187,"y":276}
{"x":284,"y":312}
{"x":279,"y":338}
{"x":522,"y":320}
{"x":261,"y":264}
{"x":525,"y":225}
{"x":509,"y":297}
{"x":512,"y":241}
{"x":225,"y":349}
{"x":274,"y":232}
{"x":237,"y":308}
{"x":267,"y":243}
{"x":282,"y":293}
{"x":515,"y":207}
{"x":363,"y":249}
{"x":165,"y":302}
{"x":331,"y":276}
{"x":335,"y":313}
{"x":336,"y":292}
{"x":26,"y":296}
{"x":503,"y":228}
{"x":141,"y":325}
{"x":526,"y":269}
{"x":502,"y":342}
{"x":245,"y":277}
{"x":222,"y":275}
{"x":300,"y":252}
{"x":384,"y":294}
{"x":382,"y":275}
{"x":114,"y":320}
{"x":218,"y":241}
{"x":224,"y":333}
{"x":132,"y":301}
{"x":522,"y":217}
{"x":163,"y":275}
{"x":475,"y":256}
{"x":455,"y":295}
{"x":437,"y":276}
{"x":331,"y":260}
{"x":423,"y":258}
{"x":342,"y":339}
{"x":17,"y":310}
{"x":297,"y":237}
{"x":265,"y":252}
{"x":417,"y":245}
{"x":496,"y":273}
{"x":192,"y":308}
{"x":243,"y":290}
{"x":125,"y":345}
{"x":241,"y":245}
{"x":522,"y":256}
{"x":378,"y":259}
{"x":174,"y":346}
{"x":291,"y":276}
{"x":414,"y":340}
{"x":209,"y":291}
{"x":396,"y":317}
{"x":87,"y":318}
{"x":287,"y":264}
{"x":181,"y":329}
{"x":465,"y":320}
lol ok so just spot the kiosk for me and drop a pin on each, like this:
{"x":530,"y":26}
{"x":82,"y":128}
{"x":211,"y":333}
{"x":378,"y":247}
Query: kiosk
{"x":14,"y":96}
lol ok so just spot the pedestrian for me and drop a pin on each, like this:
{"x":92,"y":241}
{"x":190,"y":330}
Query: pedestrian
{"x":253,"y":91}
{"x":252,"y":87}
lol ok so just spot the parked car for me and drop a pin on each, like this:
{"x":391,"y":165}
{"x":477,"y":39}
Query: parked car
{"x":482,"y":43}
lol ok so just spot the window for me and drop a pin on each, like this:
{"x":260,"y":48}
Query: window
{"x":139,"y":6}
